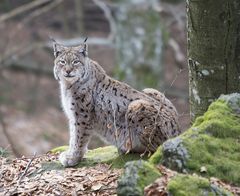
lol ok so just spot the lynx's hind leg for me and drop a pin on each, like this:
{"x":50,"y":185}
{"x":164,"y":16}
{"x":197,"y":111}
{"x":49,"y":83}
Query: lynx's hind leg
{"x":166,"y":107}
{"x":141,"y":120}
{"x":152,"y":122}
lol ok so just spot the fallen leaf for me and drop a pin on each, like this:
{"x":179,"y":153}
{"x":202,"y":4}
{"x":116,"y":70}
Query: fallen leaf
{"x":96,"y":187}
{"x":203,"y":169}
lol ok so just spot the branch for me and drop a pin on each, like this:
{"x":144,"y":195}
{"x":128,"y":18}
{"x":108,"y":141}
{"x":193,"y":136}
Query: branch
{"x":79,"y":40}
{"x":26,"y":170}
{"x":30,"y":68}
{"x":20,"y":51}
{"x":22,"y":9}
{"x":109,"y":17}
{"x":41,"y":11}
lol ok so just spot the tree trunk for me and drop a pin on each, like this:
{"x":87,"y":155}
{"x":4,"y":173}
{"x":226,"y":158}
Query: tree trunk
{"x":213,"y":51}
{"x":139,"y":43}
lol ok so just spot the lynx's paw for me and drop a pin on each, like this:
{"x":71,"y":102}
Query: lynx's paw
{"x":69,"y":159}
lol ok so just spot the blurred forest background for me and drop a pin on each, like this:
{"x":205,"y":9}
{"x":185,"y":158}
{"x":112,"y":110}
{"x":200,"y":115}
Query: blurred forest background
{"x":142,"y":42}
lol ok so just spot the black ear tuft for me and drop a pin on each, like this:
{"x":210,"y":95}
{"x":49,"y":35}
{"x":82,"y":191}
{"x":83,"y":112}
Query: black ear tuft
{"x":57,"y":48}
{"x":85,"y":47}
{"x":85,"y":40}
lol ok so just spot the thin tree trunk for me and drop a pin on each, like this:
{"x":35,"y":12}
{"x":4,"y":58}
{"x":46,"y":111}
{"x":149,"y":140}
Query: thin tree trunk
{"x":213,"y":51}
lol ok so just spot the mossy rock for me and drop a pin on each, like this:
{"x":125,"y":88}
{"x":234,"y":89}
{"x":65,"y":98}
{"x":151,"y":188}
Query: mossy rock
{"x":137,"y":175}
{"x":188,"y":185}
{"x":108,"y":154}
{"x":212,"y":142}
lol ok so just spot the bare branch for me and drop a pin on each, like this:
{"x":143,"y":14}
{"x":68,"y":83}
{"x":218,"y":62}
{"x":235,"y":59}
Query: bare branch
{"x":20,"y":51}
{"x":30,"y":68}
{"x":22,"y":9}
{"x":109,"y":17}
{"x":26,"y":170}
{"x":79,"y":40}
{"x":43,"y":10}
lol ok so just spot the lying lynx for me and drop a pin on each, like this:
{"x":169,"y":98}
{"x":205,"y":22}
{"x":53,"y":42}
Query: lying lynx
{"x":95,"y":103}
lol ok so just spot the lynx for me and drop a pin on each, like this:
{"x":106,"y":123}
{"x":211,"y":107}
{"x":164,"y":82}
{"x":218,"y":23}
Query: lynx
{"x":95,"y":103}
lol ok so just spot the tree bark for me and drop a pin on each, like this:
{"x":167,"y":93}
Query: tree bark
{"x":213,"y":51}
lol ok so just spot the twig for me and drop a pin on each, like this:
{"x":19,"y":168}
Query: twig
{"x":174,"y":80}
{"x":26,"y":169}
{"x":22,"y":9}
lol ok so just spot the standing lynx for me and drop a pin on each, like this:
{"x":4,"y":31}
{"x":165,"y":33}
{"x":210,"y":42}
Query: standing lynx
{"x":97,"y":104}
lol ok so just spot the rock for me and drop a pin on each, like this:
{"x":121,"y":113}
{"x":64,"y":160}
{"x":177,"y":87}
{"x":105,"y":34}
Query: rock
{"x":193,"y":185}
{"x":137,"y":175}
{"x":174,"y":148}
{"x":233,"y":101}
{"x":212,"y":142}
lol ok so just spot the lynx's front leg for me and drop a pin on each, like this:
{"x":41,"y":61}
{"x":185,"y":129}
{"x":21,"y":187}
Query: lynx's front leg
{"x":78,"y":142}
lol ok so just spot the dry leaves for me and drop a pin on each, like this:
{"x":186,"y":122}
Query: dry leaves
{"x":97,"y":180}
{"x":233,"y":189}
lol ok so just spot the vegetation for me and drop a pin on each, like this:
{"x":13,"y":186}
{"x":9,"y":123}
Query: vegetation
{"x":137,"y":175}
{"x":186,"y":185}
{"x":212,"y":142}
{"x":108,"y":154}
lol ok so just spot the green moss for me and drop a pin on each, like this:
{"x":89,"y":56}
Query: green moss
{"x":186,"y":185}
{"x":137,"y":175}
{"x":108,"y":154}
{"x":217,"y":144}
{"x":4,"y":152}
{"x":219,"y":121}
{"x":157,"y":156}
{"x":212,"y":142}
{"x":147,"y":175}
{"x":59,"y":149}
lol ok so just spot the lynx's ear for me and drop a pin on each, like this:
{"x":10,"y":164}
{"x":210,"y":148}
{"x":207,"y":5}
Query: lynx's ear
{"x":57,"y":48}
{"x":83,"y":48}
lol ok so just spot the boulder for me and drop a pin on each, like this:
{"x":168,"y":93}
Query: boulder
{"x":137,"y":175}
{"x":211,"y":146}
{"x":193,"y":185}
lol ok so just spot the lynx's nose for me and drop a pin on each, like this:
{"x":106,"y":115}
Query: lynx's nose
{"x":68,"y":71}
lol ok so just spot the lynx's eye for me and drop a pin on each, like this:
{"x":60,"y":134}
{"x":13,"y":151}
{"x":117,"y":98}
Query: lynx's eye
{"x":62,"y":62}
{"x":75,"y":62}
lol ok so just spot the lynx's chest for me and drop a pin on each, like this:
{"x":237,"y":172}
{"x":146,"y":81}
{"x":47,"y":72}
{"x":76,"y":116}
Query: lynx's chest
{"x":66,"y":100}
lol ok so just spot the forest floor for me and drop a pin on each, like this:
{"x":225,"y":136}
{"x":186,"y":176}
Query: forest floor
{"x":27,"y":176}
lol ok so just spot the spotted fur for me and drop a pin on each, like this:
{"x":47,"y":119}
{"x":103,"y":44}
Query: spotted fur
{"x":95,"y":103}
